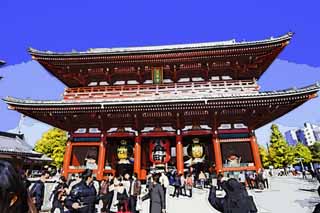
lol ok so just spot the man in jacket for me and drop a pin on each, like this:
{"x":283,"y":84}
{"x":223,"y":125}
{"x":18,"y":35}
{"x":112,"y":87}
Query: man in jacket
{"x":134,"y":192}
{"x":37,"y":190}
{"x":83,"y":195}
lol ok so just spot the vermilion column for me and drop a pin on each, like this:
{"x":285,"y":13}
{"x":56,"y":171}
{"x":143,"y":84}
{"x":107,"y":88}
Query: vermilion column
{"x":137,"y":155}
{"x":101,"y":157}
{"x":255,"y":152}
{"x":179,"y":154}
{"x":217,"y":153}
{"x":66,"y":160}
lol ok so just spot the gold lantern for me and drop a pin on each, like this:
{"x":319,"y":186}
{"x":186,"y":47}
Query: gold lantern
{"x":122,"y":152}
{"x":197,"y":151}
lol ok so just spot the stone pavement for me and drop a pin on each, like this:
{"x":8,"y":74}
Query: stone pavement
{"x":287,"y":195}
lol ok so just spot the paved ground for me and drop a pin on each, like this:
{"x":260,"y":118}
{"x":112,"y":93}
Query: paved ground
{"x":287,"y":194}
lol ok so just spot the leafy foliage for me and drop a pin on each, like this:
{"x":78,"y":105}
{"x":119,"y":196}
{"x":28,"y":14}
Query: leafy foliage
{"x":280,"y":153}
{"x":315,"y":152}
{"x":264,"y":155}
{"x":53,"y":144}
{"x":302,"y":151}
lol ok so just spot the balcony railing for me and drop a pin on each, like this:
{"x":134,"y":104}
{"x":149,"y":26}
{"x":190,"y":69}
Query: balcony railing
{"x":130,"y":91}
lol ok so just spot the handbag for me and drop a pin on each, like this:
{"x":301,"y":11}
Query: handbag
{"x":139,"y":204}
{"x":124,"y":209}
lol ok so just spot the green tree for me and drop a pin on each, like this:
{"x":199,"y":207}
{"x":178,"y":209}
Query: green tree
{"x":315,"y":152}
{"x":301,"y":151}
{"x":53,"y":144}
{"x":281,"y":155}
{"x":265,"y":158}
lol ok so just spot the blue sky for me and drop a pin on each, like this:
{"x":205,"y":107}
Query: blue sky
{"x":66,"y":25}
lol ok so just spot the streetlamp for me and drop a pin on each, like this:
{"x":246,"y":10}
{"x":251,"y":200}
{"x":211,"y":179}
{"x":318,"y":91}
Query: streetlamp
{"x":300,"y":159}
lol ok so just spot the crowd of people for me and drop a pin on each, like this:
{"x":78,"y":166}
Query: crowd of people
{"x":124,"y":194}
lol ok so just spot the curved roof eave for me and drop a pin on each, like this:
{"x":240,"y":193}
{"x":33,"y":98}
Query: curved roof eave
{"x":164,"y":48}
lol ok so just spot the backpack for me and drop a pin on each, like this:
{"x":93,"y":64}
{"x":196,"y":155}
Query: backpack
{"x":33,"y":189}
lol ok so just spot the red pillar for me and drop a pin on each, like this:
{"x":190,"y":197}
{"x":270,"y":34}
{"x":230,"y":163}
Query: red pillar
{"x":137,"y":156}
{"x":217,"y":153}
{"x":179,"y":154}
{"x":66,"y":160}
{"x":101,"y":157}
{"x":255,"y":152}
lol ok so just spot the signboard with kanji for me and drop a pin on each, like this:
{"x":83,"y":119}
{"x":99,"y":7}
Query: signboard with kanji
{"x":157,"y":75}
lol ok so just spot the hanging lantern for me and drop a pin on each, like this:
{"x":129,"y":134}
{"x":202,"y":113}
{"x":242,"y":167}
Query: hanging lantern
{"x":123,"y":152}
{"x":159,"y":151}
{"x":196,"y":151}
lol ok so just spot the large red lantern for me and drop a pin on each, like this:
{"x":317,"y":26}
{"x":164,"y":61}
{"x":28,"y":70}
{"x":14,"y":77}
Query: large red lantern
{"x":159,"y":151}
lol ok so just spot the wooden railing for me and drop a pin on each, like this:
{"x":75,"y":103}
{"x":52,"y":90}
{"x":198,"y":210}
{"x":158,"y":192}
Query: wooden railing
{"x":105,"y":92}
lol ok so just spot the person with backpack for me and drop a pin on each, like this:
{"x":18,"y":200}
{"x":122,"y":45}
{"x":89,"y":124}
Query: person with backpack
{"x":236,"y":199}
{"x":37,"y":190}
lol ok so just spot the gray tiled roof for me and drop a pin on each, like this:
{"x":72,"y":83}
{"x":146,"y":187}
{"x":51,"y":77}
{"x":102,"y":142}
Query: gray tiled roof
{"x":168,"y":48}
{"x":16,"y":145}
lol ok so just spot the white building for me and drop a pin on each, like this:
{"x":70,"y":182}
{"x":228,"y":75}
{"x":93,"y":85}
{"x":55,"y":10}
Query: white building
{"x":307,"y":134}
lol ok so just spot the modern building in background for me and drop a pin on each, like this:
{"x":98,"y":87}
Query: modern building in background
{"x":291,"y":137}
{"x":307,"y":135}
{"x":182,"y":107}
{"x":1,"y":64}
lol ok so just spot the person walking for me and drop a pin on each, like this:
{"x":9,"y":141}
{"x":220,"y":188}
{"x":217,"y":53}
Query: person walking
{"x":177,"y":186}
{"x":219,"y":180}
{"x":58,"y":195}
{"x":265,"y":179}
{"x":242,"y":179}
{"x":14,"y":196}
{"x":183,"y":185}
{"x":134,"y":192}
{"x":164,"y":181}
{"x":189,"y":184}
{"x":304,"y":176}
{"x":248,"y":179}
{"x":202,"y":179}
{"x":37,"y":190}
{"x":83,"y":195}
{"x":156,"y":196}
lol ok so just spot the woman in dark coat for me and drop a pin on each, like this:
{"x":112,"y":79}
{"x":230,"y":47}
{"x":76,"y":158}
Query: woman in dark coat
{"x":236,"y":199}
{"x":156,"y":195}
